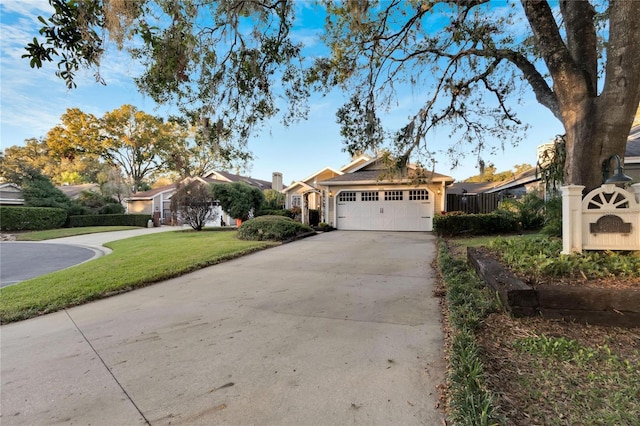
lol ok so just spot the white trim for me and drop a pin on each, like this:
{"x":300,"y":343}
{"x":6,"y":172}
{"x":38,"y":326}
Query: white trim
{"x":354,"y":162}
{"x":331,"y":169}
{"x":295,"y":184}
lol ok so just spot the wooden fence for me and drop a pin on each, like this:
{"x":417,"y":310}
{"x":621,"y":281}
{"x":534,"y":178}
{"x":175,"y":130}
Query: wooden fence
{"x":477,"y":203}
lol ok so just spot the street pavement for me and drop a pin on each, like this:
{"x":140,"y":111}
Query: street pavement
{"x":339,"y":328}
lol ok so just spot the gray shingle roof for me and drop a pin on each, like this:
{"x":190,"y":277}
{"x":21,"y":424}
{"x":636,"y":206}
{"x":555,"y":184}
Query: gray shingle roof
{"x":377,"y":175}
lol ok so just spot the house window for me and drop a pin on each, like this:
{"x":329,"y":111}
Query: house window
{"x":418,"y":194}
{"x":296,"y":201}
{"x":347,"y":196}
{"x":393,"y":195}
{"x":369,"y":196}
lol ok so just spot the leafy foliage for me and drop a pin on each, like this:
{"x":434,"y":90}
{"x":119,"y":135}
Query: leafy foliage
{"x":470,"y":402}
{"x":458,"y":223}
{"x":196,"y":55}
{"x":489,"y":173}
{"x":469,"y":61}
{"x":273,"y":200}
{"x":540,"y":257}
{"x":16,"y":218}
{"x":238,"y":199}
{"x":528,"y":210}
{"x":193,"y":203}
{"x":99,"y":204}
{"x":271,"y":228}
{"x":228,"y":61}
{"x":38,"y":191}
{"x":79,"y":221}
{"x":550,"y":166}
{"x":138,"y":143}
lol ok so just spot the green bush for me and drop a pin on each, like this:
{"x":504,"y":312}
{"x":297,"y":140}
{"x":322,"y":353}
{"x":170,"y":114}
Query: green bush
{"x":528,"y":210}
{"x":31,"y":218}
{"x":270,"y":212}
{"x":95,"y":203}
{"x":458,"y":223}
{"x":271,"y":228}
{"x":108,"y":220}
{"x":553,"y":217}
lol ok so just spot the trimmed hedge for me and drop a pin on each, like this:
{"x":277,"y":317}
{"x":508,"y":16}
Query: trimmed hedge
{"x":17,"y":218}
{"x":108,"y":220}
{"x":458,"y":223}
{"x":271,"y":228}
{"x":271,"y":212}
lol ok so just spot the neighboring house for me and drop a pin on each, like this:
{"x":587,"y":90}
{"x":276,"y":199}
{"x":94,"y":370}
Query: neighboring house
{"x":157,"y":202}
{"x":74,"y":191}
{"x":364,"y":197}
{"x":632,"y":154}
{"x":11,"y":195}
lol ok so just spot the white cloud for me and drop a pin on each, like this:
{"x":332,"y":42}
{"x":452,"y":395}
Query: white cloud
{"x":26,"y":7}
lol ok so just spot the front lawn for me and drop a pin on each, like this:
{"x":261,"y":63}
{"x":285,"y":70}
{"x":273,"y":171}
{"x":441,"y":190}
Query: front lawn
{"x":134,"y":262}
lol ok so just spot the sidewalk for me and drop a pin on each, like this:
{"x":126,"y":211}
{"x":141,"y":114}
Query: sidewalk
{"x":96,"y":241}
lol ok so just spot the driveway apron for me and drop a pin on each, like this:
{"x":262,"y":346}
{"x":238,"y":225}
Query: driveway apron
{"x":340,"y":328}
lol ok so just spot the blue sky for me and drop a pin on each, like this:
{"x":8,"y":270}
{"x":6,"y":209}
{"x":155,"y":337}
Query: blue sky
{"x":32,"y":101}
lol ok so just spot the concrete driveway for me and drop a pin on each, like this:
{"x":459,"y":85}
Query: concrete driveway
{"x":336,"y":329}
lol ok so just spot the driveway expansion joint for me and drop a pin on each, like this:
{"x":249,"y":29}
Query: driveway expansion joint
{"x":107,"y":367}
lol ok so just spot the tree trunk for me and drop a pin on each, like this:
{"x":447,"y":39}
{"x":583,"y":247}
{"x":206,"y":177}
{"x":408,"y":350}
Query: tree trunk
{"x":597,"y":126}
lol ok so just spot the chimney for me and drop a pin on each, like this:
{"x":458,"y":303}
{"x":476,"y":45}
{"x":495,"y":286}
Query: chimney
{"x":276,"y":181}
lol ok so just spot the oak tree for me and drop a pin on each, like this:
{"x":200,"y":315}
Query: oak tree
{"x":469,"y":57}
{"x":138,"y":143}
{"x":229,"y":59}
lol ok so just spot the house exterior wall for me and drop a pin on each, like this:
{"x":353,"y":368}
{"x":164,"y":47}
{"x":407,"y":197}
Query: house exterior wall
{"x":11,"y":196}
{"x":139,"y":207}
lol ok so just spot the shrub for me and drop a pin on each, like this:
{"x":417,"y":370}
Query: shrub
{"x":458,"y":223}
{"x":553,"y":217}
{"x":238,"y":199}
{"x":193,"y":203}
{"x":108,"y":220}
{"x":31,"y":218}
{"x":272,"y":228}
{"x":270,"y":212}
{"x":528,"y":210}
{"x":96,"y":203}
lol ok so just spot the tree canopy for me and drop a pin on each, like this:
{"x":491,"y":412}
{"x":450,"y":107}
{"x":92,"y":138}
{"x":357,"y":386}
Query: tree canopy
{"x":227,"y":61}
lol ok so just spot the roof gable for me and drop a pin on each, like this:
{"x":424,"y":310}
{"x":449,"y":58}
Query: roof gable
{"x":326,"y":171}
{"x":294,"y":185}
{"x":230,"y":177}
{"x":357,"y":164}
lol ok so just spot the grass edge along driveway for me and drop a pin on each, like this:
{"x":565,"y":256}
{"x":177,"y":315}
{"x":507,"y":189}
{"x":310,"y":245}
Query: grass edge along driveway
{"x":135,"y":262}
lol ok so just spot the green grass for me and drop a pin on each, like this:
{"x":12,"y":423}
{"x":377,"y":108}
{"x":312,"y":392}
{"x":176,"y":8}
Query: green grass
{"x":604,"y":386}
{"x":468,"y":302}
{"x":134,"y":262}
{"x":68,"y":232}
{"x":540,"y":256}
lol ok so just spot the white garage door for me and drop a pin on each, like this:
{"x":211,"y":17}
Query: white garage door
{"x":387,"y":210}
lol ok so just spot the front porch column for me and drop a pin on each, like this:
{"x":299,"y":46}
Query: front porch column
{"x":571,"y":219}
